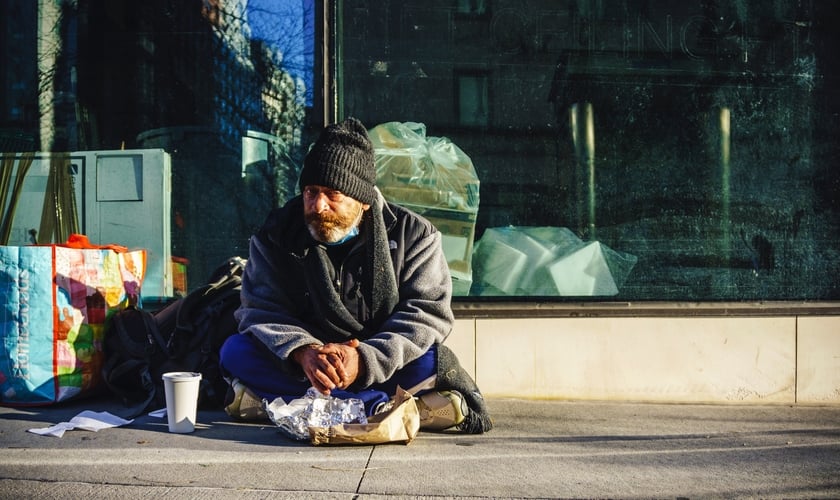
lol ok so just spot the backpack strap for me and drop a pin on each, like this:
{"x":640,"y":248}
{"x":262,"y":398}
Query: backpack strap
{"x":133,"y":365}
{"x":154,"y":339}
{"x":225,"y":280}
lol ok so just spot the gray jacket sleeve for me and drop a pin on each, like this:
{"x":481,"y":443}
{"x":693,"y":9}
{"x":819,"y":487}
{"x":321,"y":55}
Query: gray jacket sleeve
{"x":422,"y":317}
{"x":267,"y":312}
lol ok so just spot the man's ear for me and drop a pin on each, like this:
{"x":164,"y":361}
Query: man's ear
{"x":365,"y":206}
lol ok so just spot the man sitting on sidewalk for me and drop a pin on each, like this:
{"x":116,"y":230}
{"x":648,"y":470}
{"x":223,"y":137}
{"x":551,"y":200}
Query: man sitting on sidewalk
{"x":349,"y":294}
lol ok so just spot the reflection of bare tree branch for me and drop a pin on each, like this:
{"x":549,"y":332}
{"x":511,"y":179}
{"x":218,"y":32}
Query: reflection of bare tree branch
{"x":57,"y":60}
{"x":258,"y":68}
{"x":253,"y":79}
{"x":286,"y":22}
{"x":287,"y":40}
{"x":49,"y":49}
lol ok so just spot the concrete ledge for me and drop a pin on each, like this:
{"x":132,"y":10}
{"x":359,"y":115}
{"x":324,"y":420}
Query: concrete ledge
{"x":775,"y":359}
{"x":818,"y":359}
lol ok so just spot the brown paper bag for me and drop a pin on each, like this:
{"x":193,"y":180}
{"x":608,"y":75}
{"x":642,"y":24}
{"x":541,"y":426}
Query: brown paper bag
{"x":400,"y":424}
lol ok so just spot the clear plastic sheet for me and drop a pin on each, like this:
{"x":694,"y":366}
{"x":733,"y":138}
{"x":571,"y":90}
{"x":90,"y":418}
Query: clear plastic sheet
{"x":314,"y":410}
{"x":546,"y":261}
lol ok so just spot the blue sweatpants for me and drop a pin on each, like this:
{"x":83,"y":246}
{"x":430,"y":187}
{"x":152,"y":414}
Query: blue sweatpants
{"x":245,"y":358}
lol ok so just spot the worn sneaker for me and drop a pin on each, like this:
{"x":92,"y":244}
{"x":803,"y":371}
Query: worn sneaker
{"x":441,"y":410}
{"x":242,"y":404}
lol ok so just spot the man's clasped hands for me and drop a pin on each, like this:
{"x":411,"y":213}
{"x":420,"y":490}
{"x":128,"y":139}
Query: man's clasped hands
{"x":330,"y":366}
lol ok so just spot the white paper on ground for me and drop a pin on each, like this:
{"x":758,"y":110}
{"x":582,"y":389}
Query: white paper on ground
{"x":161,"y":413}
{"x":87,"y":420}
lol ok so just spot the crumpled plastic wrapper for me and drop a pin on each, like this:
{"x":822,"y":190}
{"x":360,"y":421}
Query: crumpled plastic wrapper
{"x":314,"y":410}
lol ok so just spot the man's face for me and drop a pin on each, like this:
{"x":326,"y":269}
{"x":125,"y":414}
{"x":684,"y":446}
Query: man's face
{"x":329,"y":214}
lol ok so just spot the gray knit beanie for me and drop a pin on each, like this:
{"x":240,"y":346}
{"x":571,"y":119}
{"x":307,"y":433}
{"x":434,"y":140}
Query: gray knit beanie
{"x":342,"y":159}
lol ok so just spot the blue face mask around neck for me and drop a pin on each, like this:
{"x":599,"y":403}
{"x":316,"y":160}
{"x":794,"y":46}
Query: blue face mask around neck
{"x":350,"y":235}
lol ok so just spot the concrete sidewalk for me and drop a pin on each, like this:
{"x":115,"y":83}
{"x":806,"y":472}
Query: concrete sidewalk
{"x":539,"y":449}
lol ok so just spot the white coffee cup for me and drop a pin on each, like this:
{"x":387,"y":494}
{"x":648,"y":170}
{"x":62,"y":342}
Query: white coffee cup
{"x":181,"y":400}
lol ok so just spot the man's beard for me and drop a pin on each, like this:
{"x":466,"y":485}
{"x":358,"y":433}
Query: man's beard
{"x":330,"y":227}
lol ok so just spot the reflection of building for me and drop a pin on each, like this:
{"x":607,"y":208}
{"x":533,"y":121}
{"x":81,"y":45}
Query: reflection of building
{"x":696,"y":111}
{"x":180,"y":75}
{"x":18,"y":76}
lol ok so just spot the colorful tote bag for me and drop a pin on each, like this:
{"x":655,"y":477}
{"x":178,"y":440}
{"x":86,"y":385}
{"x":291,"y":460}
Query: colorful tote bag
{"x":55,"y":302}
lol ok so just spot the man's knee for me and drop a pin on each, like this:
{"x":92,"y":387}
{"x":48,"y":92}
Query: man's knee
{"x":230,"y":345}
{"x":237,"y":349}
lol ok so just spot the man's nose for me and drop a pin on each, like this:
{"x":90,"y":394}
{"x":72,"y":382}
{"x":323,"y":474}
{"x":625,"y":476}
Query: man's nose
{"x":320,"y":203}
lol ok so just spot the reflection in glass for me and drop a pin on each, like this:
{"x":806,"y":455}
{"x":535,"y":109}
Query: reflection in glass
{"x":582,"y":124}
{"x":199,"y":80}
{"x":725,"y":145}
{"x":715,"y":154}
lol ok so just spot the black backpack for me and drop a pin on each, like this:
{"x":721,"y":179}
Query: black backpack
{"x":185,"y":335}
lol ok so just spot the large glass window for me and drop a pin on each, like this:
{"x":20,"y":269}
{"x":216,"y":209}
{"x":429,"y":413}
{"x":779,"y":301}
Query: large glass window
{"x":625,"y":150}
{"x":611,"y":150}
